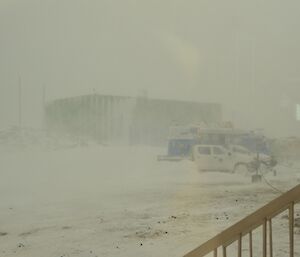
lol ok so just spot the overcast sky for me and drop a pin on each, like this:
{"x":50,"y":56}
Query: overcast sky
{"x":243,"y":54}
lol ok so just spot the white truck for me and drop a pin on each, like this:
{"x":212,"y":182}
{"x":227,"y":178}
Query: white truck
{"x":234,"y":159}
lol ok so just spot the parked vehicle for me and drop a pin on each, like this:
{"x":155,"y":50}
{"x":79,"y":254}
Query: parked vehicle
{"x":182,"y":139}
{"x":213,"y":158}
{"x":235,"y":158}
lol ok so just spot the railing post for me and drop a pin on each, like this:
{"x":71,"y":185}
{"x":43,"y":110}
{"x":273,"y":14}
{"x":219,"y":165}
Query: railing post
{"x":265,"y":238}
{"x":224,"y":251}
{"x":263,"y":217}
{"x":216,"y":252}
{"x":240,"y":246}
{"x":250,"y":245}
{"x":271,"y":237}
{"x":291,"y":229}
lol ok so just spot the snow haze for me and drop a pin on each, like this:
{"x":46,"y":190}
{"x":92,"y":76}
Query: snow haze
{"x":88,"y":92}
{"x":242,"y":55}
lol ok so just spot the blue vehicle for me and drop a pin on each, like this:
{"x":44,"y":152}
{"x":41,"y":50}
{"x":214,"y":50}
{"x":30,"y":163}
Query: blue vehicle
{"x":181,"y":147}
{"x":182,"y":139}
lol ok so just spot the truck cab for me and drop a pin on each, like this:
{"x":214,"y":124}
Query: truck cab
{"x":219,"y":158}
{"x":212,"y":158}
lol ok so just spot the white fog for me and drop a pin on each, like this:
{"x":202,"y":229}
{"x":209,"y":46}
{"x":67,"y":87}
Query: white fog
{"x":145,"y":128}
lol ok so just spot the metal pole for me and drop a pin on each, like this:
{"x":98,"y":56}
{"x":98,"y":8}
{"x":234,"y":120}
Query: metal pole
{"x":271,"y":238}
{"x":250,"y":245}
{"x":265,"y":238}
{"x":224,"y":251}
{"x":20,"y":103}
{"x":44,"y":107}
{"x":216,"y":252}
{"x":240,"y":246}
{"x":291,"y":229}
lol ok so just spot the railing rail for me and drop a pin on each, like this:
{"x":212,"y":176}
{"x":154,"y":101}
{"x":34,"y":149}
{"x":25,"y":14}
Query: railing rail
{"x":262,"y":217}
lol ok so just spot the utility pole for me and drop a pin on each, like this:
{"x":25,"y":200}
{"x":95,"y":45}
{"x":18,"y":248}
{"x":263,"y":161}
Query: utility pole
{"x":20,"y":102}
{"x":237,"y":62}
{"x":43,"y":107}
{"x":44,"y":96}
{"x":253,"y":60}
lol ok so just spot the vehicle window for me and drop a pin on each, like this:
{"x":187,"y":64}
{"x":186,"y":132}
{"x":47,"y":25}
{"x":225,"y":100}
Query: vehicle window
{"x":241,"y":150}
{"x":218,"y":150}
{"x":204,"y":150}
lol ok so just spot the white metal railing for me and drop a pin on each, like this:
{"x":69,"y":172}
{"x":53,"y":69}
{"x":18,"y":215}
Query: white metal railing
{"x":244,"y":228}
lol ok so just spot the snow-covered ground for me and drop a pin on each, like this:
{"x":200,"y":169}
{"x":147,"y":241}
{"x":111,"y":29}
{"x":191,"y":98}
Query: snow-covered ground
{"x":119,"y":201}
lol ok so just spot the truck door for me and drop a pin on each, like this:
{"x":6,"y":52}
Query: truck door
{"x":222,"y":160}
{"x":204,"y":158}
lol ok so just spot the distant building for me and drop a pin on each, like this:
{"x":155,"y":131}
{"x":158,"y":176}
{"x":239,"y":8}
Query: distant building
{"x":140,"y":120}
